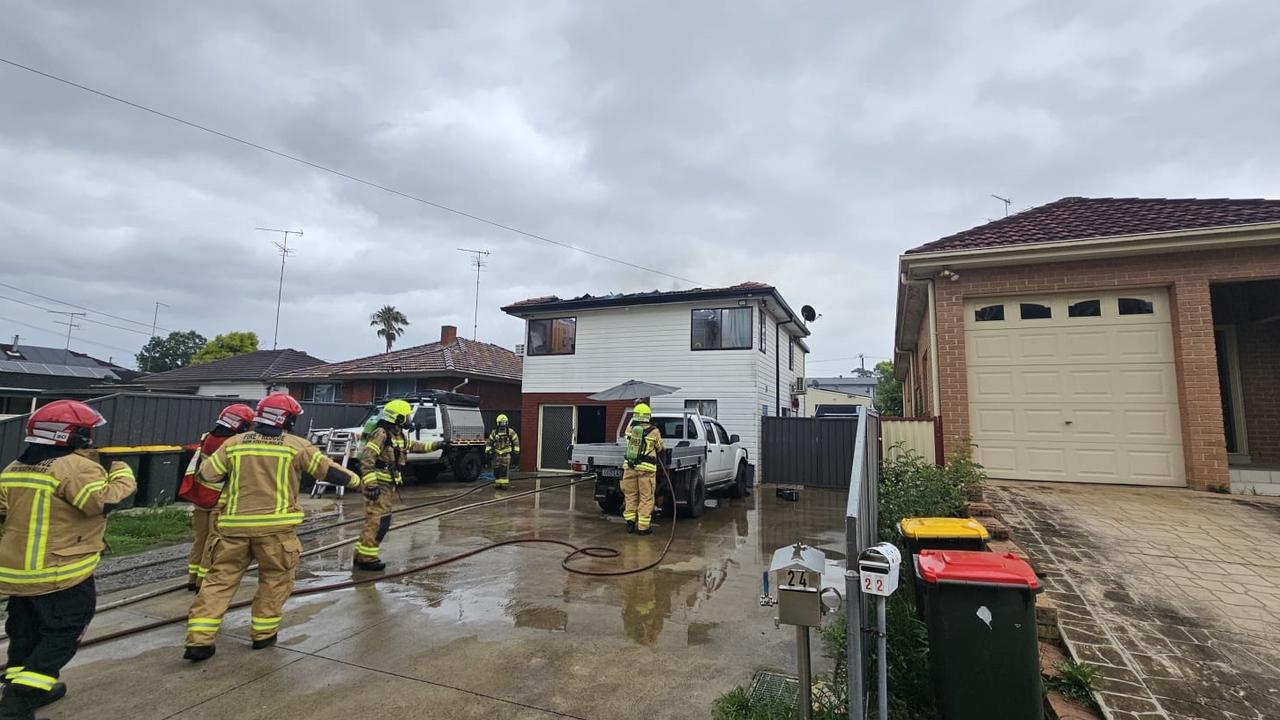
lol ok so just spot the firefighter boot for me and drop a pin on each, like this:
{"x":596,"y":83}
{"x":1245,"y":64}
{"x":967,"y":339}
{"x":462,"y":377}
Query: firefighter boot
{"x":56,"y":693}
{"x":359,"y":564}
{"x":265,"y":642}
{"x":196,"y":653}
{"x":645,"y":531}
{"x":16,"y":706}
{"x":631,"y":527}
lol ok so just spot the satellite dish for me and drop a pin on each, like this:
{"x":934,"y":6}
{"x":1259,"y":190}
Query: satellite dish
{"x":808,"y":313}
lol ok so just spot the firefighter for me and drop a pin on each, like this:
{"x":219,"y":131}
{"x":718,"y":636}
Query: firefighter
{"x":382,"y":464}
{"x":54,"y":499}
{"x":640,"y":476}
{"x":503,"y":448}
{"x":257,"y":521}
{"x":233,"y":420}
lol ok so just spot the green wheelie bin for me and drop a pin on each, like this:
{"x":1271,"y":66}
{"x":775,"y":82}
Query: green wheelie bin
{"x":939,"y":533}
{"x":162,"y":469}
{"x":129,"y":456}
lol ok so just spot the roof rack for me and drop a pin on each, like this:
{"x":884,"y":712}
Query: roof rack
{"x":440,"y":397}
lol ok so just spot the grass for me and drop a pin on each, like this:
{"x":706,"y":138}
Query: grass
{"x":1075,"y":682}
{"x":133,"y":531}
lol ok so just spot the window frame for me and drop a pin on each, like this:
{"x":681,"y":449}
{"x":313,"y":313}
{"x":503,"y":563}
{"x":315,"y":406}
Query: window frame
{"x":764,"y":330}
{"x":700,"y":406}
{"x":1071,"y":305}
{"x":1150,"y":305}
{"x":791,"y":353}
{"x":528,"y":336}
{"x":977,"y":310}
{"x":721,"y":310}
{"x":1022,"y":310}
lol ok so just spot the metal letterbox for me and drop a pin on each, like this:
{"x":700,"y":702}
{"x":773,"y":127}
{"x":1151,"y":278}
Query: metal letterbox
{"x":878,"y":569}
{"x":797,"y":574}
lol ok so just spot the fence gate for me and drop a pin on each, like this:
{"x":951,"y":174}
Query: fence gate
{"x":816,"y":452}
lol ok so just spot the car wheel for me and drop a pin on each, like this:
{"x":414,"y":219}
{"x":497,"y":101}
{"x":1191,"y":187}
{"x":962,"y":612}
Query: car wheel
{"x":739,"y":487}
{"x":467,"y":467}
{"x":611,"y":504}
{"x":697,"y":498}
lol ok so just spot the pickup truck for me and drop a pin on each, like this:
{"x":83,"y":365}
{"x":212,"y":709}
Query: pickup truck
{"x":700,"y":457}
{"x":436,"y":416}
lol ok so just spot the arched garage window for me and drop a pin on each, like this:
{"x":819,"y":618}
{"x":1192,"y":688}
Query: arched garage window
{"x":1085,"y":308}
{"x":1035,"y":311}
{"x":989,"y":313}
{"x":1135,"y":306}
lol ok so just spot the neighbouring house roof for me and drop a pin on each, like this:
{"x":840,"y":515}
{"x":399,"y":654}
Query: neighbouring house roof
{"x":841,"y":384}
{"x":1079,"y":218}
{"x":36,"y":360}
{"x":261,"y":365}
{"x":551,"y":303}
{"x":460,"y":358}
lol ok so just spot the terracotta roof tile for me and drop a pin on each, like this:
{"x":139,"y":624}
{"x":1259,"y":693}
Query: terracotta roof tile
{"x":1077,"y":218}
{"x":461,"y":357}
{"x":256,"y":365}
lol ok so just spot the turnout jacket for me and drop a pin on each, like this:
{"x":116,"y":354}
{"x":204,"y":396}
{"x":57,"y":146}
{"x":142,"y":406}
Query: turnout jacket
{"x":260,"y":473}
{"x":502,"y":442}
{"x":386,"y":452}
{"x":54,"y":520}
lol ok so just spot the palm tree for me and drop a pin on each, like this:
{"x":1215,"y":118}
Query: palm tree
{"x":390,"y":323}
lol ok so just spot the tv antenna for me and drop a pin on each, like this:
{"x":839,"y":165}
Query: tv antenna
{"x":478,"y":262}
{"x":70,"y":322}
{"x":1007,"y":202}
{"x":285,"y":252}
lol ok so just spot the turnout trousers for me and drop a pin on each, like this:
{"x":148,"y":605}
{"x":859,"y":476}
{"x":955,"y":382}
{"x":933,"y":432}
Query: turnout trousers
{"x":44,"y":633}
{"x":637,"y":493}
{"x":377,"y":521}
{"x":277,"y":558}
{"x":203,"y":522}
{"x":502,"y":469}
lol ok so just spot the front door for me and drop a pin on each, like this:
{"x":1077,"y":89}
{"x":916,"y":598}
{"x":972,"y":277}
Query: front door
{"x":555,"y":435}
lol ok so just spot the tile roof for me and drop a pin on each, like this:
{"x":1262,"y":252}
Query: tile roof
{"x":459,"y":357}
{"x":39,"y":360}
{"x":256,"y":365}
{"x":1077,"y":218}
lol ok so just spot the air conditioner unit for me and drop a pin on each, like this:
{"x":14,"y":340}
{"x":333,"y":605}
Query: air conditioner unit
{"x":798,"y":386}
{"x":520,"y":350}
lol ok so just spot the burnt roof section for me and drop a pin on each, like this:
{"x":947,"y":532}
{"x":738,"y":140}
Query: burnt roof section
{"x":1078,"y":218}
{"x":551,"y":303}
{"x":461,"y":357}
{"x":256,"y":365}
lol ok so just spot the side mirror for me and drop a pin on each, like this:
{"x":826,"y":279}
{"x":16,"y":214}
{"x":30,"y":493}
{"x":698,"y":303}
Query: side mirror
{"x":683,"y":443}
{"x":734,"y":439}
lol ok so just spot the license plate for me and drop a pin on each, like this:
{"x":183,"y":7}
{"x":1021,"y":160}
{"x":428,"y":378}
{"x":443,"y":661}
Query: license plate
{"x":611,"y":472}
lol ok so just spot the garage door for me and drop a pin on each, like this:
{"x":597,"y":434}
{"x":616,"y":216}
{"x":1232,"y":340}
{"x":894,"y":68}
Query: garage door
{"x":1078,"y":388}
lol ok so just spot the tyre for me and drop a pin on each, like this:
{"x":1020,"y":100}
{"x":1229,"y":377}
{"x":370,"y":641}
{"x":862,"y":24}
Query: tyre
{"x":611,"y":504}
{"x":739,"y":487}
{"x":697,"y":498}
{"x":466,"y":467}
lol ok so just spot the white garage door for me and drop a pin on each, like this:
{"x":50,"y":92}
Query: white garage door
{"x":1078,"y":388}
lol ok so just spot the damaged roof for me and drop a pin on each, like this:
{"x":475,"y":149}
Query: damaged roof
{"x":461,"y":357}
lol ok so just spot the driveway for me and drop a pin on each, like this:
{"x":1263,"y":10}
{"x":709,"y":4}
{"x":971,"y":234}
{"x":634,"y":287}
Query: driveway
{"x":1174,"y":594}
{"x":505,"y":634}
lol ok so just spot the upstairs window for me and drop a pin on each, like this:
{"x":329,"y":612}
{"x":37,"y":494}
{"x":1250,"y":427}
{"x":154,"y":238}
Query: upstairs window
{"x":762,"y":330}
{"x":1035,"y":311}
{"x":709,"y":408}
{"x":791,"y":354}
{"x":721,"y":329}
{"x":1085,"y":308}
{"x":989,"y":313}
{"x":552,"y":336}
{"x":1135,"y":306}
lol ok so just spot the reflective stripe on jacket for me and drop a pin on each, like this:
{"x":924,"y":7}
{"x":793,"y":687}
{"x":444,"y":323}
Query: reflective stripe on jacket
{"x":260,"y":474}
{"x":502,"y":442}
{"x":386,"y":451}
{"x":650,"y":446}
{"x":54,"y":520}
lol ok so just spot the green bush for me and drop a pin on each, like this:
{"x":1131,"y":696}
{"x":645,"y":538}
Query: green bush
{"x":911,"y":486}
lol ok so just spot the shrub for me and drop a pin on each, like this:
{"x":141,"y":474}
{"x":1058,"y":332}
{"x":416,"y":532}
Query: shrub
{"x":911,"y":486}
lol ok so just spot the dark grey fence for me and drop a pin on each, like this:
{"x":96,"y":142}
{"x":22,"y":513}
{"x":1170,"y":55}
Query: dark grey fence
{"x":151,"y":419}
{"x":816,"y":452}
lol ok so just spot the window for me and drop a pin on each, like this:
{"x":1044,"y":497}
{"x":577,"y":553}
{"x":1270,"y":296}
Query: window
{"x":1085,"y":308}
{"x":552,"y":336}
{"x":791,"y":353}
{"x":1035,"y":311}
{"x":724,"y":436}
{"x":710,"y":408}
{"x":721,"y":329}
{"x":320,"y":392}
{"x":762,"y":330}
{"x":396,"y":387}
{"x":989,"y":313}
{"x":425,"y":418}
{"x":711,"y":434}
{"x":672,"y":428}
{"x":1135,"y":306}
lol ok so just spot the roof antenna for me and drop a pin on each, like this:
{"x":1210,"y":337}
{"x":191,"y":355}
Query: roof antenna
{"x":1007,"y":202}
{"x":478,"y":262}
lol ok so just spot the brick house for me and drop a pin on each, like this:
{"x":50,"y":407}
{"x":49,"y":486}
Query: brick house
{"x":1113,"y":340}
{"x":490,"y":372}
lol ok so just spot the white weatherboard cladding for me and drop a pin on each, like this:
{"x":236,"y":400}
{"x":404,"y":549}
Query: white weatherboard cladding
{"x":248,"y":390}
{"x":1084,"y":399}
{"x":652,"y":343}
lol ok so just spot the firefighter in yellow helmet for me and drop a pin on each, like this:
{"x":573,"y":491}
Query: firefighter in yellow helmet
{"x":53,"y":501}
{"x":258,"y":521}
{"x":382,"y":462}
{"x":640,"y":476}
{"x":503,"y":448}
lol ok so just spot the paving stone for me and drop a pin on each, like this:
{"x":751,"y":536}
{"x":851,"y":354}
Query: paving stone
{"x":1127,"y":703}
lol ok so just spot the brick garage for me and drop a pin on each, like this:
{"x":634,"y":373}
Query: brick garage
{"x":1142,"y":244}
{"x":529,"y":412}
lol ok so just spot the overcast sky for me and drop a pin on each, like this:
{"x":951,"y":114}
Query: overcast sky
{"x":804,"y":145}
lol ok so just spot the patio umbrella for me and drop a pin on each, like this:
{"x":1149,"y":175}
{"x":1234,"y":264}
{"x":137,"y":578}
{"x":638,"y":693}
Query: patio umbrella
{"x":633,"y":390}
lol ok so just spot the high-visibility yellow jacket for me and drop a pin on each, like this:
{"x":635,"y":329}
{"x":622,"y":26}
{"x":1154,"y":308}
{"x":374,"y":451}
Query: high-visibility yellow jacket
{"x":261,"y":475}
{"x":386,"y":452}
{"x":54,"y":519}
{"x":502,"y":442}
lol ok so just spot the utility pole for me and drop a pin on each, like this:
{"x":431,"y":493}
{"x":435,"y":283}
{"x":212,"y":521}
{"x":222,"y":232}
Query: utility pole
{"x":155,"y":317}
{"x":477,"y":262}
{"x":285,"y":252}
{"x":70,"y":322}
{"x":1007,"y":202}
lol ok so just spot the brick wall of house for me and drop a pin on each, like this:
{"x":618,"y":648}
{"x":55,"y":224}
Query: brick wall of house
{"x":1259,"y":346}
{"x":1187,"y":275}
{"x":923,"y":372}
{"x":529,"y":417}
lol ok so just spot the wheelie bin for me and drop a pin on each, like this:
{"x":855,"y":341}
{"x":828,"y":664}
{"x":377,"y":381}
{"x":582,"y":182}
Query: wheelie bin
{"x":983,"y":654}
{"x":129,"y":456}
{"x":939,"y":533}
{"x":161,"y":467}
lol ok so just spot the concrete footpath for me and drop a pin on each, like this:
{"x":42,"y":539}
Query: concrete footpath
{"x":506,"y":634}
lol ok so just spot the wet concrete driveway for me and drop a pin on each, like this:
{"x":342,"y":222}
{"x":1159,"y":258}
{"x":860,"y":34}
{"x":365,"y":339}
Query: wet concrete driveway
{"x":1174,"y":594}
{"x":506,"y":634}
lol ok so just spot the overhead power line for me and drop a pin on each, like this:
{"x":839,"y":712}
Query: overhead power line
{"x":341,"y":174}
{"x":82,"y":307}
{"x":83,"y":319}
{"x":59,"y":335}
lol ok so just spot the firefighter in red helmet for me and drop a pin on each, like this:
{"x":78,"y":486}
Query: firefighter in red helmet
{"x":54,"y":500}
{"x":233,"y":420}
{"x":257,"y":521}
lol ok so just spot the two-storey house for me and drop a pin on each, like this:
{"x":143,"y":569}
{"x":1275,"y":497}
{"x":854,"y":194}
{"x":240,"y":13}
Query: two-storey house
{"x":736,"y":353}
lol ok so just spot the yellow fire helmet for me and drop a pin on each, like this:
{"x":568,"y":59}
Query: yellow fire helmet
{"x":394,"y":411}
{"x":642,"y":412}
{"x":503,"y":420}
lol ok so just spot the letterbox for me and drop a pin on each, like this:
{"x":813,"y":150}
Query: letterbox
{"x":878,"y":568}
